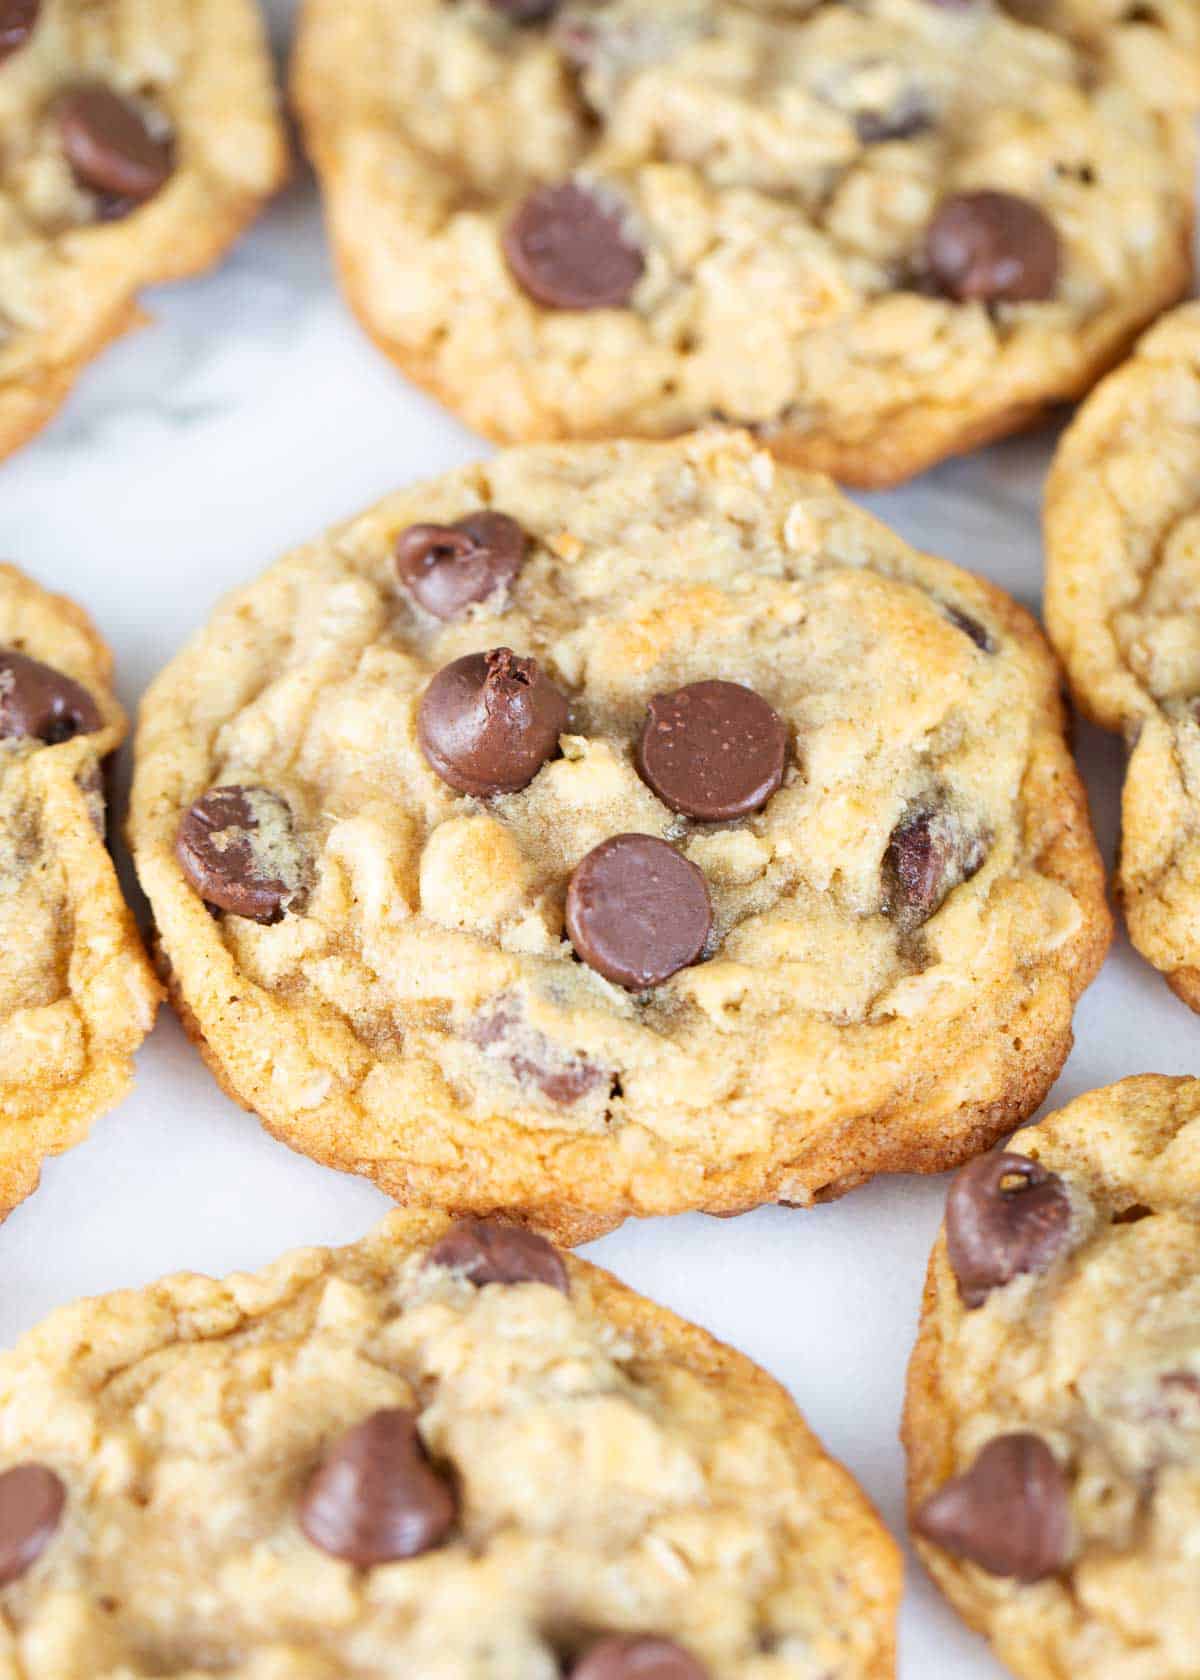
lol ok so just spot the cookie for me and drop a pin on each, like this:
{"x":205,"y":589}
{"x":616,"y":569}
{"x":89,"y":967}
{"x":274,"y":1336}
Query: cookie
{"x":446,"y":1451}
{"x":140,"y":136}
{"x":619,"y":829}
{"x":1155,"y":47}
{"x":1122,"y":574}
{"x":1053,"y":1414}
{"x":77,"y":995}
{"x":635,"y":218}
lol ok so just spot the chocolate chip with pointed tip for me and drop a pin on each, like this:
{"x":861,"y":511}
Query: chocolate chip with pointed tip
{"x":493,"y":1251}
{"x":448,"y":568}
{"x":110,"y":146}
{"x":993,"y":247}
{"x":18,"y":20}
{"x":712,"y":750}
{"x":39,"y":702}
{"x":489,"y":721}
{"x":32,"y":1501}
{"x":623,"y":1656}
{"x":1005,"y":1215}
{"x":637,"y":911}
{"x":569,"y":249}
{"x":1009,"y":1513}
{"x":928,"y":855}
{"x":376,"y":1498}
{"x":237,"y":847}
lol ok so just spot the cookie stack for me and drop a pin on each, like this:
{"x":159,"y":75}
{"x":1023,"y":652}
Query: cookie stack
{"x":629,"y":824}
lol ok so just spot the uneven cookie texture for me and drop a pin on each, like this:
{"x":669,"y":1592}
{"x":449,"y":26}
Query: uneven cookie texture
{"x":139,"y":137}
{"x":1122,"y":585}
{"x":608,"y":1483}
{"x":582,"y":220}
{"x":574,"y":998}
{"x":1053,"y":1416}
{"x":77,"y":995}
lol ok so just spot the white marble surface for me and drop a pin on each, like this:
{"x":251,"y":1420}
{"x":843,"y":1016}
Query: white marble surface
{"x":250,"y":414}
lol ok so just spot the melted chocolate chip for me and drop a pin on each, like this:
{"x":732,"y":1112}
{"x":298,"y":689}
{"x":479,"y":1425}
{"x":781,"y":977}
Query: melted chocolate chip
{"x":993,"y":247}
{"x":525,"y":11}
{"x":534,"y":1058}
{"x":1005,"y":1215}
{"x":490,"y":1251}
{"x":1009,"y":1513}
{"x":489,"y":721}
{"x":638,"y":912}
{"x":110,"y":147}
{"x":909,"y":116}
{"x":928,"y":855}
{"x":32,"y":1499}
{"x":637,"y":1657}
{"x":39,"y":702}
{"x":713,"y":750}
{"x":569,"y":249}
{"x":377,"y":1498}
{"x":18,"y":20}
{"x":449,"y":567}
{"x":236,"y":847}
{"x":971,"y":627}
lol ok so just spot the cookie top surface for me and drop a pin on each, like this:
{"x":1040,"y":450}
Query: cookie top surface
{"x":637,"y":217}
{"x":770,"y":828}
{"x":138,"y":139}
{"x":76,"y":992}
{"x":1123,"y":578}
{"x":379,"y":1462}
{"x":1053,"y":1415}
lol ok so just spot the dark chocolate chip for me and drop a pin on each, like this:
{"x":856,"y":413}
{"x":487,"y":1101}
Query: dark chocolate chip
{"x":377,"y":1498}
{"x":638,"y":912}
{"x":713,"y":750}
{"x":490,"y":1251}
{"x":110,"y":146}
{"x":993,"y":247}
{"x":237,"y":847}
{"x":637,"y":1657}
{"x":928,"y":855}
{"x":32,"y":1499}
{"x":534,"y":1058}
{"x":1009,"y":1513}
{"x":971,"y":627}
{"x":18,"y":20}
{"x":1005,"y":1215}
{"x":525,"y":11}
{"x":449,"y":567}
{"x":39,"y":702}
{"x":569,"y":249}
{"x":489,"y":721}
{"x":909,"y":116}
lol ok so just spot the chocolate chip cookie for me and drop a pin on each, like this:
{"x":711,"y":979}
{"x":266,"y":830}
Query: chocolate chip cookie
{"x":1154,"y":45}
{"x":620,"y":829}
{"x":446,"y":1453}
{"x":138,"y":139}
{"x":77,"y":995}
{"x":1122,"y":584}
{"x":582,"y":220}
{"x":1053,"y":1417}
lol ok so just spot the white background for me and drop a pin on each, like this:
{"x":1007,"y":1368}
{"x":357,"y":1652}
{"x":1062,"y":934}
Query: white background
{"x":247,"y":417}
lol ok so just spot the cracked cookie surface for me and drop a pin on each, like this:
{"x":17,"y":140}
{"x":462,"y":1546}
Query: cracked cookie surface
{"x":138,"y":138}
{"x":77,"y":995}
{"x":598,"y":1468}
{"x":574,"y":998}
{"x":1053,"y":1414}
{"x":639,"y":217}
{"x":1122,"y":588}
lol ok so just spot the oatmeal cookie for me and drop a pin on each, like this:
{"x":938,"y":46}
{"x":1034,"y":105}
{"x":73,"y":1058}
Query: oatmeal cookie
{"x":1053,"y":1417}
{"x":139,"y":137}
{"x":1122,"y":589}
{"x":77,"y":995}
{"x":445,"y":1452}
{"x":617,"y":829}
{"x":586,"y":220}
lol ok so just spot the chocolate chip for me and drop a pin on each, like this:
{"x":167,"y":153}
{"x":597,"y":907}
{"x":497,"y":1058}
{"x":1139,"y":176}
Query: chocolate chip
{"x":449,"y":567}
{"x":39,"y":702}
{"x":713,"y":750}
{"x":637,"y":1657}
{"x":110,"y":146}
{"x":570,"y":250}
{"x":1009,"y":1513}
{"x":489,"y":721}
{"x":638,"y":912}
{"x":18,"y":20}
{"x":1005,"y":1215}
{"x":971,"y":627}
{"x":928,"y":855}
{"x":525,"y":11}
{"x":490,"y":1251}
{"x":909,"y":116}
{"x":237,"y":847}
{"x":32,"y":1499}
{"x":993,"y":247}
{"x":534,"y":1058}
{"x":377,"y":1498}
